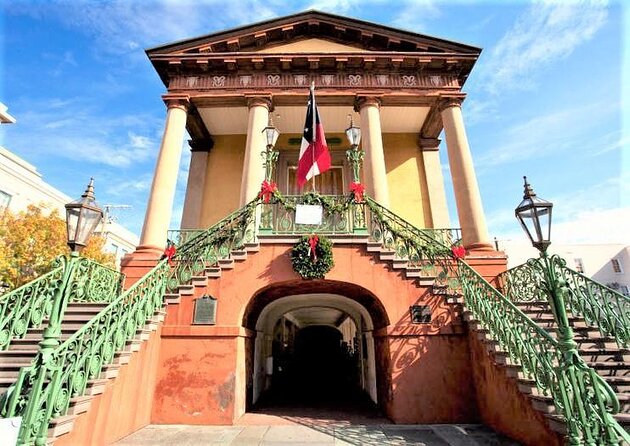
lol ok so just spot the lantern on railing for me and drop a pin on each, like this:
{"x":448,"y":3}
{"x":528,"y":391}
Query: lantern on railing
{"x":82,"y":218}
{"x":271,"y":134}
{"x":534,"y":214}
{"x":353,"y":133}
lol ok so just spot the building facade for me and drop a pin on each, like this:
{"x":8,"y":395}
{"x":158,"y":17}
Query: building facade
{"x":21,"y":185}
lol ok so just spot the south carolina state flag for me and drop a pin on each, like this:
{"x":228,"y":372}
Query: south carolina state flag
{"x":314,"y":155}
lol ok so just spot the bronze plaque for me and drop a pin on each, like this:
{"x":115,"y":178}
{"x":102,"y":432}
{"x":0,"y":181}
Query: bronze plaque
{"x":205,"y":311}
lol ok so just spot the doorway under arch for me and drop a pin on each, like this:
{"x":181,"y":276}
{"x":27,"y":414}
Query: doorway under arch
{"x":315,"y":348}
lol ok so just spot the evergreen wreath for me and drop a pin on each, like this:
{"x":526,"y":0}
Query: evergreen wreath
{"x":309,"y":264}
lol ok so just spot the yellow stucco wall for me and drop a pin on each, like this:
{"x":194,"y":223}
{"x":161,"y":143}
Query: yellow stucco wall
{"x":403,"y":162}
{"x":405,"y":178}
{"x":223,"y":178}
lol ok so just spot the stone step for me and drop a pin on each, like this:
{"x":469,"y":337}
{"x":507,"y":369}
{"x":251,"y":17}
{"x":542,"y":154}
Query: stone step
{"x":213,"y":271}
{"x":79,"y":404}
{"x":172,"y":298}
{"x":226,"y":263}
{"x":251,"y":247}
{"x":199,"y":281}
{"x":60,"y":426}
{"x":619,"y":384}
{"x":613,"y":368}
{"x":602,"y":355}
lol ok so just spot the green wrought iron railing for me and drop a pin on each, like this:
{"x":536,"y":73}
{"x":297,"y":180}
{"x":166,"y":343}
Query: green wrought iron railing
{"x":339,"y":216}
{"x":202,"y":249}
{"x":600,"y":306}
{"x":45,"y":389}
{"x":30,"y":305}
{"x":584,"y":400}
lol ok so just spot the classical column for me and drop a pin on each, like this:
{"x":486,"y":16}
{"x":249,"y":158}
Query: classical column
{"x":435,"y":182}
{"x":372,"y":140}
{"x":469,"y":209}
{"x":196,"y":180}
{"x":253,"y":170}
{"x":160,"y":205}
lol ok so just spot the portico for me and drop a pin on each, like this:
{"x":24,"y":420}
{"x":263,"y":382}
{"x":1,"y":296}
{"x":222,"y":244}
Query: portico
{"x":402,"y":88}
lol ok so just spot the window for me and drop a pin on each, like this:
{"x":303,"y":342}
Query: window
{"x":5,"y":199}
{"x":624,"y":290}
{"x":579,"y":265}
{"x":616,"y":266}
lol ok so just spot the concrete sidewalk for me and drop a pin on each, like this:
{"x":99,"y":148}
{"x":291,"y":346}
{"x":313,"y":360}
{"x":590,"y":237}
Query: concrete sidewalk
{"x":313,"y":434}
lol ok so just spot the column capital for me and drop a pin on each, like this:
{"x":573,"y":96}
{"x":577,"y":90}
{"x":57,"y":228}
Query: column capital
{"x":177,"y":101}
{"x":450,"y":101}
{"x":260,"y":101}
{"x":364,"y":101}
{"x":429,"y":144}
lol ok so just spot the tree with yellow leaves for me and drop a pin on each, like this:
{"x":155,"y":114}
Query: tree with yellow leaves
{"x":29,"y":242}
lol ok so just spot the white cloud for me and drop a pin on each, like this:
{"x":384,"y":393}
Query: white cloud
{"x":550,"y":133}
{"x":82,"y":133}
{"x":546,"y":33}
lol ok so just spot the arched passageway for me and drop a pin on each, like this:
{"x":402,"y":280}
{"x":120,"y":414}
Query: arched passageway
{"x":313,"y":350}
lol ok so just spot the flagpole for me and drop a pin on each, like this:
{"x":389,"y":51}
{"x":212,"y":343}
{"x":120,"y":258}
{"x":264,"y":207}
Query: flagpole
{"x":314,"y":108}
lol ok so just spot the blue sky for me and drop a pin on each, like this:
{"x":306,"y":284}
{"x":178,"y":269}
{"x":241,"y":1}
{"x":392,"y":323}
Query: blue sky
{"x":546,"y":99}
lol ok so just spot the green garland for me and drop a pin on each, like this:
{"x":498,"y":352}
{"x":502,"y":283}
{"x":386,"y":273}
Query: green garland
{"x":302,"y":259}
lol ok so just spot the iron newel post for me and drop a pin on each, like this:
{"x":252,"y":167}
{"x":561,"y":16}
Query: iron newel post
{"x":82,"y":218}
{"x":354,"y":155}
{"x":587,"y":400}
{"x":270,"y":156}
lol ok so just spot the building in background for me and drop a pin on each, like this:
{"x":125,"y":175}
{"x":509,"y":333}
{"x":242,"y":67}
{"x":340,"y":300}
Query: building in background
{"x":22,"y":185}
{"x":607,"y":263}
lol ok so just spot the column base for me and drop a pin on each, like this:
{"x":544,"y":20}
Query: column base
{"x":480,"y":247}
{"x":487,"y":262}
{"x":136,"y":264}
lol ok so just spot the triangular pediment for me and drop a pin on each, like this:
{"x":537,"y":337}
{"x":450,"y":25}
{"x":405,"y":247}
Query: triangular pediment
{"x":310,"y":45}
{"x":294,"y":33}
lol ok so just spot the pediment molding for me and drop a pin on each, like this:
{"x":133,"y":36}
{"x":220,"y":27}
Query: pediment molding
{"x":313,"y":24}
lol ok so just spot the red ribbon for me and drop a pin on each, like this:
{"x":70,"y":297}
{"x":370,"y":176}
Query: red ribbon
{"x":267,"y":189}
{"x":312,"y":243}
{"x":169,"y":253}
{"x":358,"y":190}
{"x":459,"y":252}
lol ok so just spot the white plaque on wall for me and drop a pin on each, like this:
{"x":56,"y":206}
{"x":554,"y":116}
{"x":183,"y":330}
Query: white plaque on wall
{"x":308,"y":214}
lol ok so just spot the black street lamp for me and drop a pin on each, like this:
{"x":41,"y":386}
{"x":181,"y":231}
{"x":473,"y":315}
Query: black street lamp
{"x":353,"y":133}
{"x":534,"y":214}
{"x":82,"y":218}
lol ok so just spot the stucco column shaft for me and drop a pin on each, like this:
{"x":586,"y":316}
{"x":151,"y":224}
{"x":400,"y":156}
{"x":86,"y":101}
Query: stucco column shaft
{"x":194,"y":190}
{"x":372,"y":140}
{"x":467,"y":197}
{"x":253,"y":170}
{"x":435,"y":182}
{"x":160,"y":205}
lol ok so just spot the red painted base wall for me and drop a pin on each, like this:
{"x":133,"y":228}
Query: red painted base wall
{"x":502,"y":406}
{"x":125,"y":406}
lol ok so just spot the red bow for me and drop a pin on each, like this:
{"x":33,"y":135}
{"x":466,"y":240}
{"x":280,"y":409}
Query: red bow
{"x":267,"y":190}
{"x":312,"y":243}
{"x":169,"y":252}
{"x":459,"y":252}
{"x":358,"y":190}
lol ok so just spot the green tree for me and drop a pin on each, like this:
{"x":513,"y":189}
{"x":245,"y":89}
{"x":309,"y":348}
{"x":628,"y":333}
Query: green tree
{"x":29,"y":242}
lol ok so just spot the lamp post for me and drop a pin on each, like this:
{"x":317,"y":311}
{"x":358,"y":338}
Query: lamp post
{"x":354,"y":155}
{"x":82,"y":217}
{"x":582,"y":406}
{"x":270,"y":156}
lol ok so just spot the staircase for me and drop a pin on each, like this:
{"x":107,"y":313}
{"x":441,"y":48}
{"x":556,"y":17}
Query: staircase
{"x":603,"y":354}
{"x":22,"y":352}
